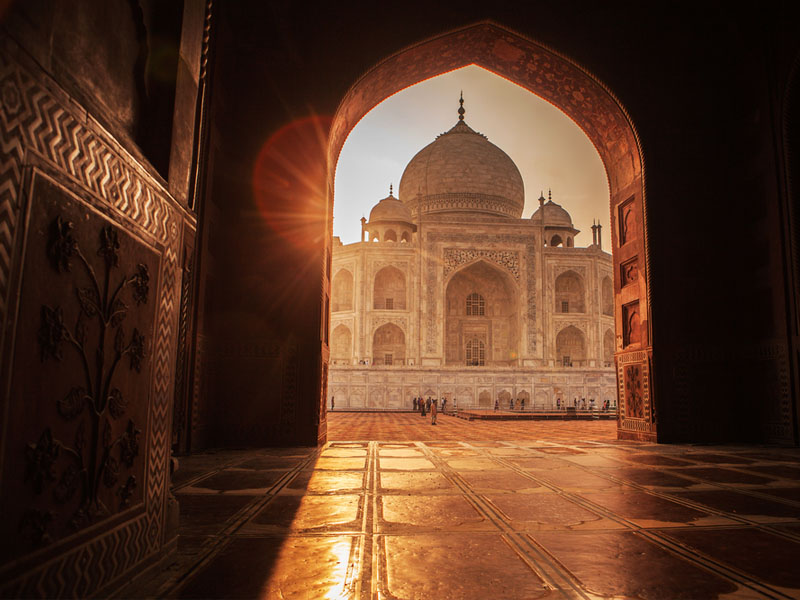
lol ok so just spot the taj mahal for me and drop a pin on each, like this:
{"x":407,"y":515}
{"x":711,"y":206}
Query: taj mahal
{"x":451,"y":293}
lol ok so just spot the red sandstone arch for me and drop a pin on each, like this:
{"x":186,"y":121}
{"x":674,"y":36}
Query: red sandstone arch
{"x":590,"y":104}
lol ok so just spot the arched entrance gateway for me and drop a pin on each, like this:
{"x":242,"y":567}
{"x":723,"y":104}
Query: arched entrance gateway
{"x":601,"y":116}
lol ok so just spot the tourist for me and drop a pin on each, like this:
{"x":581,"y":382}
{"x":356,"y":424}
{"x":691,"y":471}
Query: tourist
{"x":522,"y":403}
{"x":433,"y":413}
{"x":421,"y":407}
{"x":414,"y":404}
{"x":497,"y":404}
{"x":333,"y":403}
{"x":558,"y":403}
{"x":428,"y":404}
{"x":510,"y":404}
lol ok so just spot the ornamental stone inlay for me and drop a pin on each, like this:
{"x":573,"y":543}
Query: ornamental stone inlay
{"x":455,"y":257}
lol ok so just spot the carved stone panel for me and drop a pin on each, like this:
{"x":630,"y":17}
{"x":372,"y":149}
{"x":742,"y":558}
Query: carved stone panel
{"x":631,"y":330}
{"x":637,"y":417}
{"x":81,"y":380}
{"x":629,"y":271}
{"x":89,"y":301}
{"x":628,"y":228}
{"x":506,"y":259}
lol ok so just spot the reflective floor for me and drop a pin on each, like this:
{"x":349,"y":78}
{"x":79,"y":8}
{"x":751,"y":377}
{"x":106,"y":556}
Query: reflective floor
{"x":501,"y":510}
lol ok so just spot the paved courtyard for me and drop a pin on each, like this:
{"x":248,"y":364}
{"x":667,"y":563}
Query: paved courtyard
{"x":484,"y":510}
{"x":408,"y":426}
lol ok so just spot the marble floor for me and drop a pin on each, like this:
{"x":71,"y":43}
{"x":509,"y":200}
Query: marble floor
{"x":392,"y":507}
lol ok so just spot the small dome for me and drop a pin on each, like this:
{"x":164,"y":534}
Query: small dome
{"x":553,"y":214}
{"x":462,"y":171}
{"x":390,"y":209}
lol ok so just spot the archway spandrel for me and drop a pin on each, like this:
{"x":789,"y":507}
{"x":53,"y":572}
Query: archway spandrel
{"x":538,"y":69}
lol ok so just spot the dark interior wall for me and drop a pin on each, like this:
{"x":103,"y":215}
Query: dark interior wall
{"x":92,"y":241}
{"x":696,"y":83}
{"x":118,"y":58}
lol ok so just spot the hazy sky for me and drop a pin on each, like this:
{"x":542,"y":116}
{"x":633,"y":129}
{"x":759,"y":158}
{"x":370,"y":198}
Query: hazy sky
{"x":548,"y":148}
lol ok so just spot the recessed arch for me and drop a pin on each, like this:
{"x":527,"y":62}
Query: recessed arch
{"x":570,"y":296}
{"x":608,"y":347}
{"x":388,"y":345}
{"x":556,"y":241}
{"x":571,"y":347}
{"x":341,"y":344}
{"x":389,"y":289}
{"x":607,"y":296}
{"x":390,"y":235}
{"x":481,"y":312}
{"x":342,"y":291}
{"x":568,"y":86}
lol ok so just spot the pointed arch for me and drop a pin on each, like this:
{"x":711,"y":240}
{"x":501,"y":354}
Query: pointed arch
{"x":389,"y":289}
{"x":342,"y":291}
{"x":569,"y":293}
{"x":568,"y":86}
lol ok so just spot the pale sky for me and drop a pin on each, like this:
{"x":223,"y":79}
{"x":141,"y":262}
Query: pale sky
{"x":549,"y":149}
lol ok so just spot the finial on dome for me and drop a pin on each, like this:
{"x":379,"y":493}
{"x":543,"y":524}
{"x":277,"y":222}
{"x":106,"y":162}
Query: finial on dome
{"x":541,"y":198}
{"x":390,"y":189}
{"x":461,"y":110}
{"x":550,"y":195}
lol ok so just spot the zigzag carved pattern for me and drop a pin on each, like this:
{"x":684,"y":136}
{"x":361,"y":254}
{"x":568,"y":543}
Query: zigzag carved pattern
{"x":11,"y":154}
{"x":94,"y":161}
{"x":164,"y":351}
{"x":85,"y":569}
{"x":32,"y":118}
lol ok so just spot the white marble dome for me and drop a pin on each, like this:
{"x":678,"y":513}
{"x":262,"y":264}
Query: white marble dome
{"x":390,"y":209}
{"x":463,"y":172}
{"x":553,"y":215}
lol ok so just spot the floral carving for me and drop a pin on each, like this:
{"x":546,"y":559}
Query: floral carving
{"x":34,"y":526}
{"x":51,"y":333}
{"x":97,"y":455}
{"x":61,"y":246}
{"x":40,"y":459}
{"x":125,"y":491}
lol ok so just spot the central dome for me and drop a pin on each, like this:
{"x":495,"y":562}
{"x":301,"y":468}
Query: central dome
{"x":462,"y":172}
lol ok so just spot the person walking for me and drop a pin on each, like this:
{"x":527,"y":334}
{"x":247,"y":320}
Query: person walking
{"x":421,"y":407}
{"x":428,"y":404}
{"x":333,"y":402}
{"x":497,"y":404}
{"x":522,"y":403}
{"x":414,"y":403}
{"x":434,"y":411}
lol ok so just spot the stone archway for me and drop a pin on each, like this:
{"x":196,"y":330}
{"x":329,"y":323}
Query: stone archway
{"x":601,"y":116}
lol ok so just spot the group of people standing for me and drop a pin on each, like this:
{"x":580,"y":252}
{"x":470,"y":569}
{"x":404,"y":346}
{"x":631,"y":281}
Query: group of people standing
{"x":511,"y":404}
{"x":581,"y":404}
{"x":429,"y":405}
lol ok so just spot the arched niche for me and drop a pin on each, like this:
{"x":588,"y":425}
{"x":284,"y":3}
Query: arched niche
{"x":477,"y":286}
{"x":388,"y":345}
{"x":406,"y":237}
{"x":389,"y":289}
{"x":569,"y":293}
{"x":608,"y":347}
{"x":485,"y":399}
{"x":607,"y":296}
{"x":341,"y":344}
{"x":579,"y":94}
{"x":390,"y":235}
{"x":570,"y":347}
{"x":556,"y":241}
{"x":342,"y":291}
